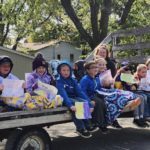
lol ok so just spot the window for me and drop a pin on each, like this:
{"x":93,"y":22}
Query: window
{"x":58,"y":57}
{"x":71,"y":58}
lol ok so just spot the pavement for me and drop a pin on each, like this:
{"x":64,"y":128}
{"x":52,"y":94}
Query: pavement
{"x":63,"y":137}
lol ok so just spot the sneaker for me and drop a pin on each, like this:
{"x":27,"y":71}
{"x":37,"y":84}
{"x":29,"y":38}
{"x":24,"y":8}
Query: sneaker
{"x":116,"y":125}
{"x":104,"y":130}
{"x":91,"y":129}
{"x":147,"y":119}
{"x":84,"y":133}
{"x":138,"y":123}
{"x":143,"y":122}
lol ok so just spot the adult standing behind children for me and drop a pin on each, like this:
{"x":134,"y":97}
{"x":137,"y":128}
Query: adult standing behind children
{"x":103,"y":51}
{"x":69,"y":89}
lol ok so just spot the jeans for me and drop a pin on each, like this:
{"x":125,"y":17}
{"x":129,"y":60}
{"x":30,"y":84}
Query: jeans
{"x":79,"y":123}
{"x":9,"y":108}
{"x":139,"y":111}
{"x":146,"y":103}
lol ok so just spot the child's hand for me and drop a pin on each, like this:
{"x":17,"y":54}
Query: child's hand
{"x":105,"y":83}
{"x":1,"y":87}
{"x":91,"y":110}
{"x":35,"y":86}
{"x":93,"y":103}
{"x":73,"y":108}
{"x":24,"y":85}
{"x":138,"y":83}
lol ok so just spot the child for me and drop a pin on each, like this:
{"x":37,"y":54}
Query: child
{"x":6,"y":66}
{"x":71,"y":92}
{"x":39,"y":66}
{"x":142,"y":73}
{"x":148,"y":64}
{"x":54,"y":64}
{"x":114,"y":103}
{"x":78,"y":69}
{"x":139,"y":111}
{"x":131,"y":103}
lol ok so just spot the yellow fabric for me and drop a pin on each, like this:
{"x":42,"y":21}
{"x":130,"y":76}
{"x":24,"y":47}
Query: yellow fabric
{"x":28,"y":102}
{"x":118,"y":85}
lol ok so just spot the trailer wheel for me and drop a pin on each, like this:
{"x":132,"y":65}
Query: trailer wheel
{"x":34,"y":138}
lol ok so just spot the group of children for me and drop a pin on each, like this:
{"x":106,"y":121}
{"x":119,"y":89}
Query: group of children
{"x":104,"y":108}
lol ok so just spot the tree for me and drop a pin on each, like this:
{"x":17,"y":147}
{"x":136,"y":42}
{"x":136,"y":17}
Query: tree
{"x":21,"y":17}
{"x":100,"y":11}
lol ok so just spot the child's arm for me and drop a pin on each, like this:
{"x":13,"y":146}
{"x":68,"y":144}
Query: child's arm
{"x":62,"y":92}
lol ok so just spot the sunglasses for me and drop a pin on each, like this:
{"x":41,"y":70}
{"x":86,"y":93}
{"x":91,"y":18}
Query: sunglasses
{"x":127,"y":69}
{"x":94,"y":68}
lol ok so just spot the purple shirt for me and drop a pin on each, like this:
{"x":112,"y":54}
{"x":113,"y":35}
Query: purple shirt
{"x":33,"y":79}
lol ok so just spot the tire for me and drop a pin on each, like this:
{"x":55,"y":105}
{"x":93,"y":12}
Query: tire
{"x":29,"y":139}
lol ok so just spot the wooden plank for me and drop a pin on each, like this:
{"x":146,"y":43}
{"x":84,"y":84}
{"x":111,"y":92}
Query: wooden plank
{"x":137,"y":31}
{"x":105,"y":41}
{"x":19,"y":113}
{"x":133,"y":59}
{"x":35,"y":121}
{"x":140,"y":45}
{"x":139,"y":41}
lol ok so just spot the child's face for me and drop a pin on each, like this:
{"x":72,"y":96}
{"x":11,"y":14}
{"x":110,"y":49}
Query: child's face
{"x":65,"y":71}
{"x":93,"y":70}
{"x":5,"y":68}
{"x":102,"y":66}
{"x":142,"y":73}
{"x":148,"y":67}
{"x":41,"y":70}
{"x":127,"y":70}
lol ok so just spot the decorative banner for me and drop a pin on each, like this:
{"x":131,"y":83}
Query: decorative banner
{"x":127,"y":78}
{"x":83,"y":110}
{"x":47,"y":87}
{"x":12,"y":88}
{"x":145,"y":84}
{"x":106,"y":76}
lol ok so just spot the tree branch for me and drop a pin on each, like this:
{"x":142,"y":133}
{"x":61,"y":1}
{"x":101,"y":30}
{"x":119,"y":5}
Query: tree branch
{"x":105,"y":18}
{"x":126,"y":11}
{"x":94,"y":6}
{"x":71,"y":13}
{"x":6,"y":33}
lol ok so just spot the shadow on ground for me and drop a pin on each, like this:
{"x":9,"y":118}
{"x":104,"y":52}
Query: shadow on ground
{"x":126,"y":139}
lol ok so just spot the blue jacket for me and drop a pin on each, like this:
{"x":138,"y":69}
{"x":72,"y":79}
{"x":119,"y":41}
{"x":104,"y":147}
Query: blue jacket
{"x":69,"y":87}
{"x":89,"y":85}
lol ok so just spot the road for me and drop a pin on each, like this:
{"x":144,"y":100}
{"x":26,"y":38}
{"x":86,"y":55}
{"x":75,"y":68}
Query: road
{"x":129,"y":138}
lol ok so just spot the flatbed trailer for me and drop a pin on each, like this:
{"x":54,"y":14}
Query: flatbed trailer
{"x":24,"y":129}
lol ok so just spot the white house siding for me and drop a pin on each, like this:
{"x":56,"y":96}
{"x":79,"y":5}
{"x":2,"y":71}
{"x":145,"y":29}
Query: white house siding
{"x":22,"y":62}
{"x":64,"y":49}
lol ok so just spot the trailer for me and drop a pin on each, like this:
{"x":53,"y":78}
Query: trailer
{"x":24,"y":129}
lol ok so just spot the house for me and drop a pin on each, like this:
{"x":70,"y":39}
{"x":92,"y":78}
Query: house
{"x":56,"y":49}
{"x":22,"y":62}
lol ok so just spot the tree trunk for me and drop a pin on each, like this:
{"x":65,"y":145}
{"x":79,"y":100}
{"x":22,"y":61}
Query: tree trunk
{"x":15,"y":46}
{"x":1,"y":25}
{"x":94,"y":6}
{"x":71,"y":13}
{"x":105,"y":18}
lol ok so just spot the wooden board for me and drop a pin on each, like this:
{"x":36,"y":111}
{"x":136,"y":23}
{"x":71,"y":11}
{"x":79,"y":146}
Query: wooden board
{"x":35,"y":121}
{"x":19,"y":113}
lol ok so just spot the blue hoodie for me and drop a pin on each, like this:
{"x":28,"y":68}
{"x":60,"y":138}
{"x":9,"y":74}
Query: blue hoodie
{"x":89,"y":85}
{"x":69,"y":87}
